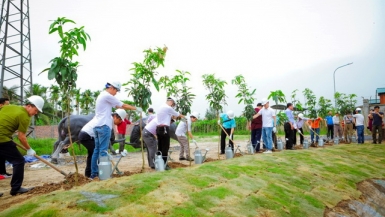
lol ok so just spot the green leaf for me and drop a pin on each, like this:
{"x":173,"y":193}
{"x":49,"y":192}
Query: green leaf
{"x":51,"y":74}
{"x":60,"y":29}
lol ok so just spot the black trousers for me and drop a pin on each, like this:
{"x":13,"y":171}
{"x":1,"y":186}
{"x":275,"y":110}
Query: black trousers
{"x":88,"y":142}
{"x":300,"y":136}
{"x":289,"y":135}
{"x":223,"y":140}
{"x":163,"y":134}
{"x":2,"y":166}
{"x":376,"y":128}
{"x":330,"y":131}
{"x":9,"y":152}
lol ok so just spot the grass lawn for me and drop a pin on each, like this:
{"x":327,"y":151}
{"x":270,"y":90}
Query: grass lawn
{"x":287,"y":183}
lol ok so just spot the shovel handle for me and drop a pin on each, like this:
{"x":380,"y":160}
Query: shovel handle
{"x":44,"y":161}
{"x":226,"y":133}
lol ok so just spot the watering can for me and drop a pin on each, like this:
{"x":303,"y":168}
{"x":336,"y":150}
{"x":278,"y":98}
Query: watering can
{"x":160,"y":165}
{"x":353,"y":139}
{"x":305,"y":144}
{"x":198,"y":158}
{"x":279,"y":144}
{"x":250,"y":148}
{"x":105,"y":167}
{"x":320,"y":142}
{"x":229,"y":152}
{"x":336,"y":140}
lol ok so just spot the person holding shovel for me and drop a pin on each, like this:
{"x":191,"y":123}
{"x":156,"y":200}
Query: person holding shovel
{"x":163,"y":116}
{"x":121,"y":129}
{"x":86,"y":137}
{"x":315,"y":128}
{"x":228,"y":125}
{"x":104,"y":104}
{"x":181,"y":131}
{"x":3,"y":171}
{"x":337,"y":125}
{"x":12,"y":118}
{"x":300,"y":122}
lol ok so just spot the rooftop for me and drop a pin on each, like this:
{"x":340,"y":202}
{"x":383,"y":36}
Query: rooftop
{"x":380,"y":90}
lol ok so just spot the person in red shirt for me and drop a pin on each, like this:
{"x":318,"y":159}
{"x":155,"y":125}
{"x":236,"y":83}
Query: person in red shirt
{"x":121,"y":132}
{"x":256,"y":129}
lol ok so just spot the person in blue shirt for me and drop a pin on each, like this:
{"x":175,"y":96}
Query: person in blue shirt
{"x":228,"y":124}
{"x":330,"y":124}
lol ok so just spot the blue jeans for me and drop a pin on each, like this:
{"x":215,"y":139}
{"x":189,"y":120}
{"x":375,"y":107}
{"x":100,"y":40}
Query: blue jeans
{"x":312,"y":134}
{"x":360,"y":134}
{"x":256,"y":138}
{"x":266,"y":136}
{"x":102,"y":141}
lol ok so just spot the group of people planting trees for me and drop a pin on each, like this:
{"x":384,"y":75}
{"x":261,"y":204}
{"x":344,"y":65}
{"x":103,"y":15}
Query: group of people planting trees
{"x":156,"y":134}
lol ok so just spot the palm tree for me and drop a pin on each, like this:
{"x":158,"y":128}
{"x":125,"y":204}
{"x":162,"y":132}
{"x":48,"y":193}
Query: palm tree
{"x":76,"y":94}
{"x":87,"y":101}
{"x":54,"y":97}
{"x":11,"y":94}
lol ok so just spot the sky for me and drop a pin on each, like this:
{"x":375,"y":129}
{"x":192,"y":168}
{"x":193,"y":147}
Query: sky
{"x":276,"y":45}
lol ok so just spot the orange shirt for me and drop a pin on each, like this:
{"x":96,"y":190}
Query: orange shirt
{"x":314,"y":123}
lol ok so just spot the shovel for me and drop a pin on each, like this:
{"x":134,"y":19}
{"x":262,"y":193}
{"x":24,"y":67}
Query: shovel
{"x":44,"y":161}
{"x":226,"y":133}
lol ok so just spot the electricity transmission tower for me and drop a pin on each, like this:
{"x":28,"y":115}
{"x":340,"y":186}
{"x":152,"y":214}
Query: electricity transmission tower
{"x":15,"y":50}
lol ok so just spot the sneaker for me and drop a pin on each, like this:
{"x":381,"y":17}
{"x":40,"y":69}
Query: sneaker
{"x":6,"y":175}
{"x":182,"y":158}
{"x":93,"y":177}
{"x":267,"y":152}
{"x":20,"y":191}
{"x":189,"y":159}
{"x":222,"y":153}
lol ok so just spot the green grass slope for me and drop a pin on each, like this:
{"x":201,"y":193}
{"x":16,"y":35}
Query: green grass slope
{"x":287,"y":183}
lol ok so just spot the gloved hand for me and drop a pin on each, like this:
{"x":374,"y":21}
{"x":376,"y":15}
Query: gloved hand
{"x":31,"y":152}
{"x":139,"y":109}
{"x":298,"y":131}
{"x":274,"y":129}
{"x":219,"y":121}
{"x":193,"y":141}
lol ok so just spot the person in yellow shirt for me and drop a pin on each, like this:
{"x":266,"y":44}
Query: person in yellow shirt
{"x":315,"y":127}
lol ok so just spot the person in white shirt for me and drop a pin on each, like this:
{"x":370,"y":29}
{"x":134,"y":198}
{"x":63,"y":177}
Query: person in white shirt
{"x":268,"y":125}
{"x":86,"y":138}
{"x":163,"y":116}
{"x":182,"y":138}
{"x":149,"y":138}
{"x":337,"y":125}
{"x":103,"y":121}
{"x":359,"y":120}
{"x":299,"y":123}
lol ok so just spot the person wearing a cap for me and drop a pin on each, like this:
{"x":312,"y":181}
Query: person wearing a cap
{"x":12,"y":118}
{"x":121,"y":128}
{"x":103,"y":121}
{"x":359,"y":120}
{"x":163,"y":115}
{"x":348,"y":127}
{"x":183,"y":128}
{"x":86,"y":137}
{"x":337,"y":125}
{"x":289,"y":127}
{"x":329,"y":123}
{"x":377,"y":117}
{"x":228,"y":124}
{"x":256,"y":129}
{"x":299,"y":123}
{"x":269,"y":122}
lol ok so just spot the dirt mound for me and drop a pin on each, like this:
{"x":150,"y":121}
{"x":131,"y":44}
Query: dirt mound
{"x":370,"y":203}
{"x":238,"y":155}
{"x":174,"y":165}
{"x":209,"y":159}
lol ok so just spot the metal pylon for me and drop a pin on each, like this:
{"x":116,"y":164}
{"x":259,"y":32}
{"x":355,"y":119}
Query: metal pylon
{"x":15,"y":50}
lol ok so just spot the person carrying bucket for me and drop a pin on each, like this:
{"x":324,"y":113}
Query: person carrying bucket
{"x":228,"y":124}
